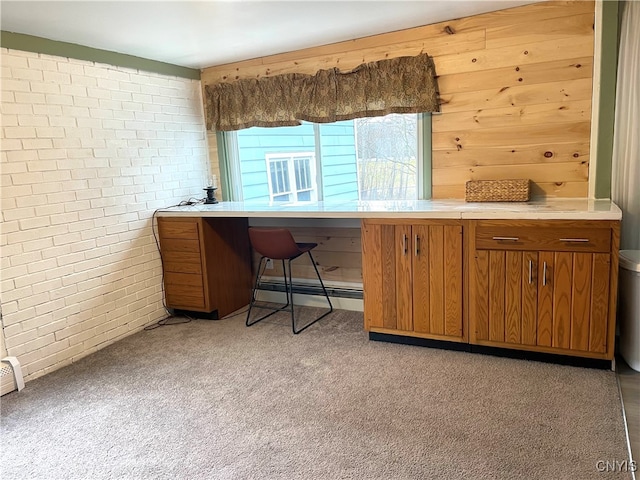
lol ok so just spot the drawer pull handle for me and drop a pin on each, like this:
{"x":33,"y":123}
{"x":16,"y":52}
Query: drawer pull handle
{"x":509,"y":239}
{"x":575,"y":240}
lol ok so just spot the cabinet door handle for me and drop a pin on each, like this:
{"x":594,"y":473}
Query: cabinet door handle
{"x":404,"y":243}
{"x":530,"y":271}
{"x":575,"y":240}
{"x":417,"y":245}
{"x":544,"y":273}
{"x":508,"y":239}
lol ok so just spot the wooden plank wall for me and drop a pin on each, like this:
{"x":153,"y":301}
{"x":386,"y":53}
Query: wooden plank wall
{"x":515,"y":87}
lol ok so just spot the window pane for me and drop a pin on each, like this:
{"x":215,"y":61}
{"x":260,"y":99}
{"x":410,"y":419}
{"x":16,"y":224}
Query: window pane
{"x":338,"y":165}
{"x":279,"y":176}
{"x":304,"y":196}
{"x":274,"y":178}
{"x":303,"y":173}
{"x":282,"y":198}
{"x":255,"y":144}
{"x":284,"y":176}
{"x":387,"y":157}
{"x":299,"y":184}
{"x":369,"y":159}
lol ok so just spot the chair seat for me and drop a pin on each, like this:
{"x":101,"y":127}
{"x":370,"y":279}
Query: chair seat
{"x":305,"y":247}
{"x":277,"y":243}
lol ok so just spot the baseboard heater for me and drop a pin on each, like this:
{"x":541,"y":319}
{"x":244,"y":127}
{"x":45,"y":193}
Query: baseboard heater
{"x":11,"y":375}
{"x":310,"y":289}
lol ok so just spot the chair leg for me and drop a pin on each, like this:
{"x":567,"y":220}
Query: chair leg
{"x":288,"y":284}
{"x":259,"y":272}
{"x":288,"y":292}
{"x":321,"y":282}
{"x":253,"y":292}
{"x":293,"y":324}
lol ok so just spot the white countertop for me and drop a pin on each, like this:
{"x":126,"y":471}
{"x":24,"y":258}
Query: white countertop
{"x":549,"y":209}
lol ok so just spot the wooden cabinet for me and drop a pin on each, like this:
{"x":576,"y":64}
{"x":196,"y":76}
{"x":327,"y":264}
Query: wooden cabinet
{"x":413,"y":278}
{"x":206,"y":263}
{"x":546,"y":286}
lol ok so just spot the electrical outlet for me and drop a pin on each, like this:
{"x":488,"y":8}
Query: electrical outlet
{"x":269,"y":265}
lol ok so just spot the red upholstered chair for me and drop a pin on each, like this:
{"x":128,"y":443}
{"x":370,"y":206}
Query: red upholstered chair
{"x":278,"y":244}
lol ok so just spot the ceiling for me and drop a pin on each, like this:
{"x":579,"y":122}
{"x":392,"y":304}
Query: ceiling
{"x":199,"y":34}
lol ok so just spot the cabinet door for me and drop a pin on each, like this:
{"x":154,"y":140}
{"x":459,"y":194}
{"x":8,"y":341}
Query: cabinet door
{"x":552,"y":300}
{"x":412,"y":277}
{"x":437,"y":280}
{"x":404,"y":271}
{"x":379,"y":276}
{"x":506,"y":303}
{"x":578,"y":284}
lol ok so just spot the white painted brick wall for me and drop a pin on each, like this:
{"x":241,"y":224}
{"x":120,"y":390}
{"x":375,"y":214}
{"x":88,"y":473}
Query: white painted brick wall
{"x":89,"y":151}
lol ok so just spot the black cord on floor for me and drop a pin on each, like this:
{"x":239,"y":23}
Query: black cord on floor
{"x":166,"y":321}
{"x":186,"y":319}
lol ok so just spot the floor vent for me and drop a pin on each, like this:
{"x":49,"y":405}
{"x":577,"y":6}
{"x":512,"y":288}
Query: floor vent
{"x":11,"y":375}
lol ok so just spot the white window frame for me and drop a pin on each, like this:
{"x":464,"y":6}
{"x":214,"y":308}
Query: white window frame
{"x":290,"y":158}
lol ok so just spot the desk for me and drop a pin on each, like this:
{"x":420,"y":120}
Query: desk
{"x":439,"y":270}
{"x":563,"y":209}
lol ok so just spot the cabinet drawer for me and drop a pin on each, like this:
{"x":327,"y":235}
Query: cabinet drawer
{"x":549,"y":239}
{"x":182,"y":267}
{"x":183,"y":279}
{"x":180,"y":256}
{"x":171,"y":245}
{"x":173,"y":229}
{"x":183,"y":300}
{"x":184,"y":290}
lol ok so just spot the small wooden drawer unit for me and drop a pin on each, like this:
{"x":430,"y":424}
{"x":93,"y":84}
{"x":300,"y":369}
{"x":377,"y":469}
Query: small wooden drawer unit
{"x":182,"y":263}
{"x":544,"y":285}
{"x":206,"y":263}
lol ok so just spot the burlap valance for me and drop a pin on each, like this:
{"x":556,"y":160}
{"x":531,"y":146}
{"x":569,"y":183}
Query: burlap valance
{"x":397,"y":85}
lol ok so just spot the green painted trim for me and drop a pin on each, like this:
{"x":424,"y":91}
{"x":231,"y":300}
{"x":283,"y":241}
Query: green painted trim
{"x":30,"y":43}
{"x":223,"y":162}
{"x":606,"y":119}
{"x":427,"y":157}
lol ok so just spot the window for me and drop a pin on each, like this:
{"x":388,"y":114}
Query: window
{"x":387,"y":153}
{"x":291,"y":177}
{"x":377,"y":158}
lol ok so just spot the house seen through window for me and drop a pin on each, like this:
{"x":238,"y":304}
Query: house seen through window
{"x":292,"y":176}
{"x":375,"y":158}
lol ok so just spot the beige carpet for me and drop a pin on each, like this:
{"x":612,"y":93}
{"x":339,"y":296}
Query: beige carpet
{"x":217,"y":400}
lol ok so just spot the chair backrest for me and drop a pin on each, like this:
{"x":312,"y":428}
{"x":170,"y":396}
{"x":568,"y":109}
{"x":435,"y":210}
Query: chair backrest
{"x":275,"y":243}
